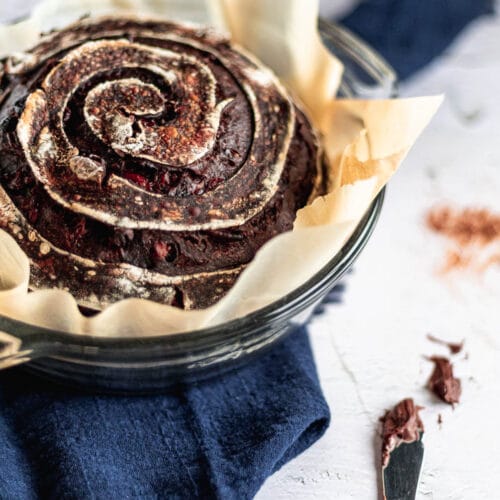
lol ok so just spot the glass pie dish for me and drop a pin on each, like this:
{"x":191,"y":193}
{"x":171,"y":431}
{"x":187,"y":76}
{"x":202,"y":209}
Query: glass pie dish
{"x":148,"y":364}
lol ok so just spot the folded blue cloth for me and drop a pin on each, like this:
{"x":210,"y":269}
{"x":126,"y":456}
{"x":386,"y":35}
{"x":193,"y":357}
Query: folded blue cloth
{"x":411,"y":33}
{"x":216,"y":439}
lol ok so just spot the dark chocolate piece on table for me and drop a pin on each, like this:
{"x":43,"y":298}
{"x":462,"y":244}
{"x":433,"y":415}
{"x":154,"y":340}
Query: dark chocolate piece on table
{"x":442,"y":381}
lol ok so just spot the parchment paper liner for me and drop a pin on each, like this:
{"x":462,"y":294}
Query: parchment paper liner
{"x":365,"y":140}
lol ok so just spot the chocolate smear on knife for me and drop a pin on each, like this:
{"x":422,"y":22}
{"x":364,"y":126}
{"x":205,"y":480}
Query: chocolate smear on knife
{"x":442,"y":382}
{"x":400,"y":425}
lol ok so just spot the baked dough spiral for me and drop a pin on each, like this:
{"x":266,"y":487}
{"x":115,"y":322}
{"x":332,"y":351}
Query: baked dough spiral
{"x":147,"y":159}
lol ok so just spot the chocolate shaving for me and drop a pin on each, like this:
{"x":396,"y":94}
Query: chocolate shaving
{"x":442,"y":382}
{"x":454,"y":347}
{"x":400,"y":425}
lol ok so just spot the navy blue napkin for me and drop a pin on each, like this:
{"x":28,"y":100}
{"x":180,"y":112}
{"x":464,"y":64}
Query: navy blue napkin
{"x":216,"y":439}
{"x":411,"y":33}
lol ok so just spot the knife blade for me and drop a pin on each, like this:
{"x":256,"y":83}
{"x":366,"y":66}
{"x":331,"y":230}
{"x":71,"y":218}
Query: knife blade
{"x":401,"y":475}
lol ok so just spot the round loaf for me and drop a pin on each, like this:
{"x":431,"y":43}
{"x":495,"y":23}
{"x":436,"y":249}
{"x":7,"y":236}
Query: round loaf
{"x":147,"y":159}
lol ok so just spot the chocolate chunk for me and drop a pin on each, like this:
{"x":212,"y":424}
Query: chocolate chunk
{"x":442,"y":382}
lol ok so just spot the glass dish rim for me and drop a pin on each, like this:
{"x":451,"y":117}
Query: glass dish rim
{"x":338,"y":265}
{"x":332,"y":271}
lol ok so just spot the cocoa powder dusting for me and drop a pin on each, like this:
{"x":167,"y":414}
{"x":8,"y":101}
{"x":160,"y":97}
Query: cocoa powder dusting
{"x":465,"y":226}
{"x":475,"y":233}
{"x":456,"y":259}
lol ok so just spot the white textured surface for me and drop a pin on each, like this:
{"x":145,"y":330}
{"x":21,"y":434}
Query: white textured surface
{"x":369,"y":350}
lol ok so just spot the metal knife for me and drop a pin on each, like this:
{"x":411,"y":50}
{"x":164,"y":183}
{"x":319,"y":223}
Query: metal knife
{"x":400,"y":477}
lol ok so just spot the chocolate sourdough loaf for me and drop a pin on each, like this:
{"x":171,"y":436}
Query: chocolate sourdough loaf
{"x":147,"y":159}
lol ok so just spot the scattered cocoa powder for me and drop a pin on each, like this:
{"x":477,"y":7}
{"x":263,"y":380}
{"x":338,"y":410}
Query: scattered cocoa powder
{"x":471,"y":230}
{"x":465,"y":226}
{"x":492,"y":260}
{"x":456,"y":259}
